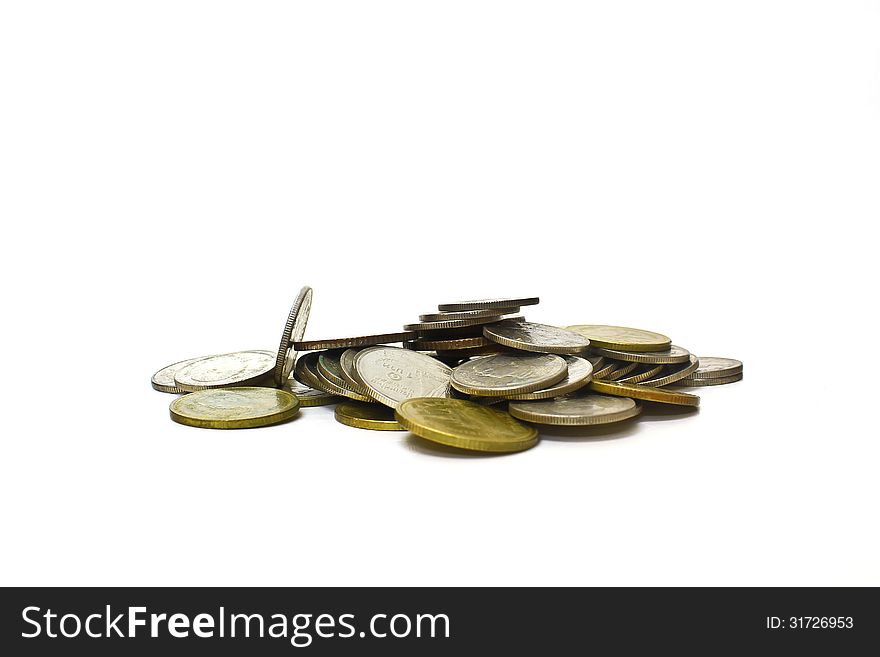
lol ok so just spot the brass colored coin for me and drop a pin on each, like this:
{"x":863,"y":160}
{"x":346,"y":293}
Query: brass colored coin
{"x":646,"y":393}
{"x":576,"y":410}
{"x":294,"y":329}
{"x":542,"y":338}
{"x":467,"y":314}
{"x":306,"y":370}
{"x":712,"y":367}
{"x":360,"y":415}
{"x":503,"y":375}
{"x":359,"y":341}
{"x":580,"y":373}
{"x":234,"y":408}
{"x":331,"y":386}
{"x":452,"y":323}
{"x":465,"y":424}
{"x":346,"y":362}
{"x":622,"y":337}
{"x":309,"y":396}
{"x":676,"y":375}
{"x":620,"y":371}
{"x":648,"y":372}
{"x":239,"y":368}
{"x":717,"y":381}
{"x":448,"y":345}
{"x":667,"y":356}
{"x":163,"y":380}
{"x":330,"y":368}
{"x":596,"y":361}
{"x":605,"y":369}
{"x":482,"y":304}
{"x":392,"y":374}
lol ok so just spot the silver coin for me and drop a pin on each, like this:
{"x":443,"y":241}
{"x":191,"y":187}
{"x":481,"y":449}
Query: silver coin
{"x":357,"y":341}
{"x":239,"y":368}
{"x":346,"y":362}
{"x":393,"y":374}
{"x":293,"y":331}
{"x":330,"y":367}
{"x":502,"y":375}
{"x":716,"y":381}
{"x":577,"y":410}
{"x":309,"y":396}
{"x":620,"y":371}
{"x":542,"y":338}
{"x":452,"y":323}
{"x":675,"y":375}
{"x":163,"y":380}
{"x":306,"y":370}
{"x":580,"y":373}
{"x":481,"y":304}
{"x":467,"y":314}
{"x":712,"y":367}
{"x":667,"y":356}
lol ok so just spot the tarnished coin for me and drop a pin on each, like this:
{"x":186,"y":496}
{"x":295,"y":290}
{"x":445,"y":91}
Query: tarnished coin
{"x":647,"y":372}
{"x":577,"y":410}
{"x":542,"y":338}
{"x":234,"y":408}
{"x":333,"y":385}
{"x":392,"y":374}
{"x":667,"y":356}
{"x":503,"y":375}
{"x":452,"y":323}
{"x":163,"y":380}
{"x":717,"y":381}
{"x":674,"y":375}
{"x":309,"y":396}
{"x":622,"y":337}
{"x":481,"y":304}
{"x":467,"y":314}
{"x":346,"y":362}
{"x":361,"y":415}
{"x":712,"y":367}
{"x":239,"y":368}
{"x":330,"y":367}
{"x":306,"y":370}
{"x":448,"y":345}
{"x":646,"y":393}
{"x":466,"y":425}
{"x":580,"y":372}
{"x":620,"y":370}
{"x":294,"y":329}
{"x":359,"y":341}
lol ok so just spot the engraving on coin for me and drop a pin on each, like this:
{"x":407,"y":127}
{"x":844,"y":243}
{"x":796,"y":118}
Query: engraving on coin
{"x":482,"y":304}
{"x":163,"y":380}
{"x":294,"y":329}
{"x":239,"y":368}
{"x":577,"y":410}
{"x":234,"y":408}
{"x":622,"y":337}
{"x":362,"y":415}
{"x":530,"y":336}
{"x":645,"y":393}
{"x":393,"y":374}
{"x":712,"y":367}
{"x":466,"y":425}
{"x":580,"y":372}
{"x":502,"y":375}
{"x":358,"y":341}
{"x":667,"y":356}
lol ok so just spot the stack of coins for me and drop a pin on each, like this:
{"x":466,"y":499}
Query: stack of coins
{"x":474,"y":375}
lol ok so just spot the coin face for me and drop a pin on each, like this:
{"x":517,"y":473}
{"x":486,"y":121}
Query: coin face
{"x":234,"y":408}
{"x":467,"y":314}
{"x":646,"y":393}
{"x":294,"y":329}
{"x":622,"y":337}
{"x":239,"y":368}
{"x":674,"y":373}
{"x":359,"y":341}
{"x":465,"y":424}
{"x":672,"y":355}
{"x":577,"y":410}
{"x":482,"y":304}
{"x":529,"y":336}
{"x":579,"y":374}
{"x":712,"y":367}
{"x":362,"y":415}
{"x":163,"y":380}
{"x":502,"y":375}
{"x":392,"y":374}
{"x":717,"y":381}
{"x":309,"y":396}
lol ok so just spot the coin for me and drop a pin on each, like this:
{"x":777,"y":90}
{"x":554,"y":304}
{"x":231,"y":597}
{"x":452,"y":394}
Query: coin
{"x":647,"y":372}
{"x":367,"y":416}
{"x":667,"y":356}
{"x":712,"y":367}
{"x":481,"y":304}
{"x":645,"y":393}
{"x":603,"y":370}
{"x":675,"y":375}
{"x":452,"y":323}
{"x":239,"y":368}
{"x":580,"y":372}
{"x":163,"y":380}
{"x":464,"y":354}
{"x":466,"y":425}
{"x":620,"y":370}
{"x":447,"y":345}
{"x":467,"y":314}
{"x":330,"y":385}
{"x":359,"y":341}
{"x":576,"y":410}
{"x":622,"y":337}
{"x":234,"y":408}
{"x":392,"y":374}
{"x":530,"y":336}
{"x":309,"y":396}
{"x":306,"y":370}
{"x":502,"y":375}
{"x":294,"y":329}
{"x":596,"y":361}
{"x":717,"y":381}
{"x":330,"y":367}
{"x":346,"y":362}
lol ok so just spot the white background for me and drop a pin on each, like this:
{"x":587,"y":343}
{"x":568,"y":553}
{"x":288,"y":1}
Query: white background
{"x":171,"y":173}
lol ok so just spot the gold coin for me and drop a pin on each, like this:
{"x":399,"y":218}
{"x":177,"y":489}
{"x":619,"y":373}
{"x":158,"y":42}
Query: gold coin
{"x":306,"y":370}
{"x":603,"y":370}
{"x":646,"y":393}
{"x":448,"y":345}
{"x":675,"y":375}
{"x":620,"y":371}
{"x":234,"y":408}
{"x":360,"y":415}
{"x":309,"y":396}
{"x":717,"y":381}
{"x":465,"y":424}
{"x":666,"y":357}
{"x":644,"y":375}
{"x":330,"y":367}
{"x":577,"y":410}
{"x":622,"y":337}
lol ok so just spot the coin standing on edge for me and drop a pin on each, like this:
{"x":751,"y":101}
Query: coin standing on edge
{"x":502,"y":375}
{"x":234,"y":408}
{"x":542,"y":338}
{"x":294,"y":329}
{"x":622,"y":337}
{"x":393,"y":374}
{"x":481,"y":304}
{"x":362,"y":415}
{"x":163,"y":380}
{"x":239,"y":368}
{"x":577,"y":410}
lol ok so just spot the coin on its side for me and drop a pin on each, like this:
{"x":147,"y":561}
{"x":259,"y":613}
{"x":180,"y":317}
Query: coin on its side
{"x":465,"y":424}
{"x":712,"y":367}
{"x":358,"y":341}
{"x":467,"y":314}
{"x":716,"y":381}
{"x":239,"y":368}
{"x":234,"y":408}
{"x":346,"y":363}
{"x":362,"y":415}
{"x":647,"y":372}
{"x":502,"y":375}
{"x":452,"y":323}
{"x":620,"y":370}
{"x":622,"y":337}
{"x":293,"y":331}
{"x":666,"y":357}
{"x":580,"y":372}
{"x":542,"y":338}
{"x":163,"y":380}
{"x":309,"y":396}
{"x":646,"y":393}
{"x":448,"y":345}
{"x":393,"y":374}
{"x":577,"y":410}
{"x":675,"y":375}
{"x":604,"y":369}
{"x":481,"y":304}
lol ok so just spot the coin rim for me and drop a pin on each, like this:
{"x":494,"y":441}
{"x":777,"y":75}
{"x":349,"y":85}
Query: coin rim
{"x":516,"y":410}
{"x":674,"y":376}
{"x":373,"y":340}
{"x":364,"y":423}
{"x":644,"y":393}
{"x":480,"y":304}
{"x":286,"y":356}
{"x":646,"y":357}
{"x":717,"y":381}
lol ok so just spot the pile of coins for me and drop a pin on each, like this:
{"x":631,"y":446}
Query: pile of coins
{"x":475,"y":375}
